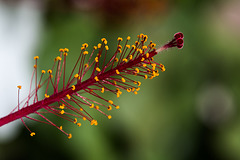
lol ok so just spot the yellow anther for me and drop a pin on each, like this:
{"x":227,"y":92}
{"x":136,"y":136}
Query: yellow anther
{"x":94,"y":122}
{"x":118,"y":95}
{"x":79,"y":124}
{"x":130,"y":57}
{"x":162,"y":67}
{"x":68,"y":96}
{"x":49,"y":71}
{"x":141,"y":35}
{"x":75,"y":120}
{"x":99,"y":45}
{"x":135,"y":92}
{"x":142,"y":59}
{"x":62,"y":106}
{"x":43,"y":71}
{"x":19,"y":87}
{"x":97,"y":107}
{"x":84,"y":118}
{"x":133,"y":46}
{"x":46,"y":96}
{"x":98,"y":69}
{"x":69,"y":136}
{"x":76,"y":76}
{"x":133,"y":89}
{"x":61,"y":50}
{"x":128,"y":38}
{"x":116,"y":59}
{"x":139,"y":83}
{"x":86,"y":65}
{"x":125,"y":60}
{"x":109,"y":108}
{"x":147,"y":55}
{"x":85,"y":45}
{"x":117,"y":107}
{"x":110,"y":101}
{"x":66,"y":49}
{"x":140,"y":51}
{"x":119,"y":39}
{"x":119,"y":46}
{"x":62,"y":112}
{"x":153,"y":45}
{"x":96,"y":78}
{"x":117,"y":71}
{"x":92,"y":106}
{"x":145,"y":76}
{"x":115,"y":82}
{"x":128,"y":46}
{"x":73,"y":87}
{"x":83,"y":48}
{"x":123,"y":80}
{"x":65,"y":54}
{"x":106,"y":47}
{"x":153,"y":66}
{"x":85,"y":52}
{"x":32,"y":134}
{"x":96,"y":59}
{"x":103,"y":39}
{"x":102,"y":90}
{"x":119,"y":50}
{"x":60,"y":127}
{"x":129,"y":90}
{"x":137,"y":89}
{"x":36,"y":57}
{"x":137,"y":70}
{"x":81,"y":109}
{"x":144,"y":65}
{"x":109,"y":117}
{"x":58,"y":58}
{"x":94,"y":47}
{"x":144,"y":47}
{"x":151,"y":77}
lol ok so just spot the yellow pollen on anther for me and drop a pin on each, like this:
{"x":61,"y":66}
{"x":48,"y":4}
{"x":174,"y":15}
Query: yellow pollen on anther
{"x":106,"y":47}
{"x":103,"y":39}
{"x":137,"y":70}
{"x":125,"y":60}
{"x":96,"y":59}
{"x":119,"y":39}
{"x":96,"y":78}
{"x":139,"y":83}
{"x":137,"y":89}
{"x":97,"y":107}
{"x":36,"y":57}
{"x":142,"y":59}
{"x":135,"y":92}
{"x":65,"y":54}
{"x":102,"y":90}
{"x":117,"y":71}
{"x":153,"y":66}
{"x":128,"y":38}
{"x":147,"y":55}
{"x":144,"y":65}
{"x":68,"y":96}
{"x":69,"y":136}
{"x":84,"y":118}
{"x":62,"y":112}
{"x":119,"y":46}
{"x":46,"y":96}
{"x":117,"y":107}
{"x":119,"y":50}
{"x":43,"y":71}
{"x":32,"y":134}
{"x":99,"y":45}
{"x":76,"y":76}
{"x":115,"y":82}
{"x":58,"y":58}
{"x":116,"y":59}
{"x":62,"y":106}
{"x":133,"y":46}
{"x":128,"y":46}
{"x":61,"y":50}
{"x":49,"y":71}
{"x":129,"y":90}
{"x":75,"y":120}
{"x":94,"y":122}
{"x":109,"y":108}
{"x":85,"y":52}
{"x":123,"y":80}
{"x":110,"y":101}
{"x":94,"y":47}
{"x":85,"y":45}
{"x":92,"y":106}
{"x":79,"y":124}
{"x":19,"y":87}
{"x":130,"y":57}
{"x":144,"y":47}
{"x":86,"y":65}
{"x":109,"y":117}
{"x":73,"y":87}
{"x":145,"y":76}
{"x":66,"y":49}
{"x":98,"y":69}
{"x":60,"y":127}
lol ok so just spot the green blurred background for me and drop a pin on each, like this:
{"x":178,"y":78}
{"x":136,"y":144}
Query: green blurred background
{"x":189,"y":112}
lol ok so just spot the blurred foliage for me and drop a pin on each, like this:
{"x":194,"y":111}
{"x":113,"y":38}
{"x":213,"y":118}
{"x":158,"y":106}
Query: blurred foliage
{"x":164,"y":120}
